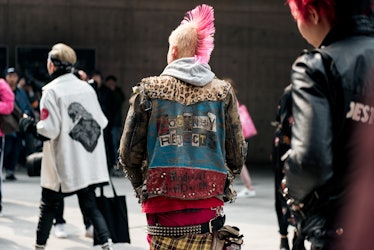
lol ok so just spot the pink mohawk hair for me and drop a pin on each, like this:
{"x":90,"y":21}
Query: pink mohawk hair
{"x":203,"y":17}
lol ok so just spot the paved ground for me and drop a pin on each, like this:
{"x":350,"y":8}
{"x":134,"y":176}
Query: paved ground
{"x":254,"y":216}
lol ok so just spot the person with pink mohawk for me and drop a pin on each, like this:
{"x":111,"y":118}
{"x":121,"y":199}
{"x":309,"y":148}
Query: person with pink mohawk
{"x":182,"y":143}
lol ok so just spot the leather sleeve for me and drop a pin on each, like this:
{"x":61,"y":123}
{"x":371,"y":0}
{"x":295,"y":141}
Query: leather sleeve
{"x":133,"y":144}
{"x":236,"y":146}
{"x":309,"y":164}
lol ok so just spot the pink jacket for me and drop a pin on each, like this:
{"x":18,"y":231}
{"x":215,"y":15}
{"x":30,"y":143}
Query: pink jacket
{"x":6,"y":99}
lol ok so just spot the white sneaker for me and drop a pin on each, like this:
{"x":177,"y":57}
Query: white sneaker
{"x":39,"y":247}
{"x":247,"y":193}
{"x":108,"y":245}
{"x":60,"y":231}
{"x":89,"y":232}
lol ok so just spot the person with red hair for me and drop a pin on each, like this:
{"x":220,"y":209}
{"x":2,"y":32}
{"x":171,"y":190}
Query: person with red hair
{"x":182,"y":143}
{"x":331,"y":86}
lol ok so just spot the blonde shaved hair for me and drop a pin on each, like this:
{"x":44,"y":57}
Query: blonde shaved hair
{"x":63,"y":53}
{"x":194,"y":37}
{"x":185,"y":38}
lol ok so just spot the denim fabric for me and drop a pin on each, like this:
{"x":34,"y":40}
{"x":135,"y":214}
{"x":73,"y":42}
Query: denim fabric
{"x":116,"y":136}
{"x":12,"y":149}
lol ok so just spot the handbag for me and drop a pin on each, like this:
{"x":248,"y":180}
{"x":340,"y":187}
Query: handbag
{"x":114,"y":211}
{"x":34,"y":164}
{"x":9,"y":123}
{"x":246,"y":121}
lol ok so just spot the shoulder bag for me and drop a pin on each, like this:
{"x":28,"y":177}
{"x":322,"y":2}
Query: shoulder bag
{"x":114,"y":210}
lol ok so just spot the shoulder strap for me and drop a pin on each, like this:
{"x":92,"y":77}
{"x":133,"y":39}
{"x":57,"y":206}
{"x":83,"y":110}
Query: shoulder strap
{"x":111,"y":183}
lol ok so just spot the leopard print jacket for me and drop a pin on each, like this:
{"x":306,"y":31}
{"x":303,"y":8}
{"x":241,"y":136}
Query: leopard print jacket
{"x":133,"y":145}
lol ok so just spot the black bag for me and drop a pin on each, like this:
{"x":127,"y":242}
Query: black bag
{"x":34,"y":164}
{"x":9,"y":123}
{"x":114,"y":210}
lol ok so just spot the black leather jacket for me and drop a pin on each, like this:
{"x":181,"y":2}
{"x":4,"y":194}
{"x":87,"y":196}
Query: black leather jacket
{"x":330,"y":86}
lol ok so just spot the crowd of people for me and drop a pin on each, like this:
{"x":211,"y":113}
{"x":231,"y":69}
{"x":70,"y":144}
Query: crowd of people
{"x":182,"y":142}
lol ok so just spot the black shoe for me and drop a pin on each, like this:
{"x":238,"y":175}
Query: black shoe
{"x":10,"y":177}
{"x":284,"y":244}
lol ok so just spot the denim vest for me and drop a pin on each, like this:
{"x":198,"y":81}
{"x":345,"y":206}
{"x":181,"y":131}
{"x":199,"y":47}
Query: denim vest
{"x":186,"y":149}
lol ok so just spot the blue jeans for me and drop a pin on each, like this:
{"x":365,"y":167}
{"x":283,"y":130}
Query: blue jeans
{"x":12,"y":149}
{"x":50,"y":202}
{"x":116,"y":136}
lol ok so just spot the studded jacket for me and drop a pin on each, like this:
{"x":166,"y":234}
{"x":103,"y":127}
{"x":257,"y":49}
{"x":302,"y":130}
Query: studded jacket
{"x":180,"y":140}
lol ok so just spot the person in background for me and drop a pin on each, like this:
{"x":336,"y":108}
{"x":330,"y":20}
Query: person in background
{"x":27,"y":86}
{"x":104,"y":95}
{"x":281,"y":144}
{"x":74,"y":161}
{"x":248,"y":191}
{"x":332,"y":88}
{"x":115,"y":116}
{"x":14,"y":140}
{"x":6,"y":107}
{"x":29,"y":143}
{"x":182,"y":144}
{"x":81,"y":74}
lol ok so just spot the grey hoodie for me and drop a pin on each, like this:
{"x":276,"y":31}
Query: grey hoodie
{"x":190,"y":71}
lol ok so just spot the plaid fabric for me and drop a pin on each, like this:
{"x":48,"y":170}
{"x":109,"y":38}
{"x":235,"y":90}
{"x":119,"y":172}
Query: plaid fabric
{"x":191,"y":242}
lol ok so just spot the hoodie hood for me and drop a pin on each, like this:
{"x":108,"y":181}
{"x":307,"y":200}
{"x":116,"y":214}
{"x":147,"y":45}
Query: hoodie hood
{"x":190,"y":71}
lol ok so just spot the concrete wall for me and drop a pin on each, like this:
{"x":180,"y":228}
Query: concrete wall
{"x":256,"y":43}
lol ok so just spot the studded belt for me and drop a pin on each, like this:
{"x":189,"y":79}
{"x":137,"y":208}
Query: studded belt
{"x":213,"y":225}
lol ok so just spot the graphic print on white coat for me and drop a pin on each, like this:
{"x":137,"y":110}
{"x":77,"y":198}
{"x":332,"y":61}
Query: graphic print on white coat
{"x":86,"y":130}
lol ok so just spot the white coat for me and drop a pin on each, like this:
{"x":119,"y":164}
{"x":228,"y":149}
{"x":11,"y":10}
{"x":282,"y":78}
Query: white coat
{"x":71,"y":117}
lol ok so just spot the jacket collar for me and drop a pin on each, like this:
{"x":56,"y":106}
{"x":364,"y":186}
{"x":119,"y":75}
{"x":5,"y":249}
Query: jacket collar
{"x":357,"y":25}
{"x":58,"y":73}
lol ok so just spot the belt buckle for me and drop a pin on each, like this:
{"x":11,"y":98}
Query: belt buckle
{"x":210,"y":224}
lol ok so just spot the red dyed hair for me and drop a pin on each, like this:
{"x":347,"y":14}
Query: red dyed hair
{"x":324,"y":7}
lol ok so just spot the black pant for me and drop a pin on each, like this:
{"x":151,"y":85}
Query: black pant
{"x":50,"y":202}
{"x":109,"y":148}
{"x":320,"y":224}
{"x":59,"y":217}
{"x":281,"y":207}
